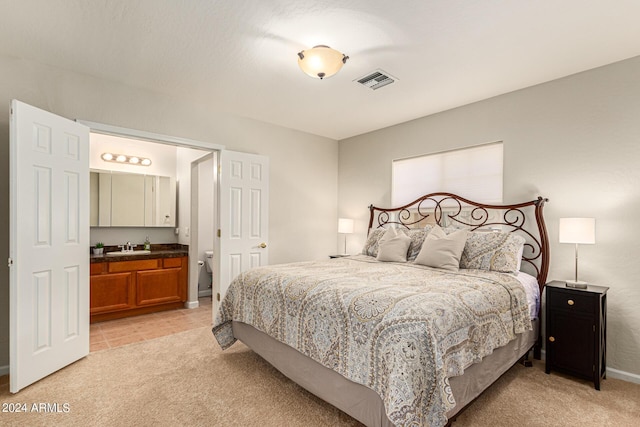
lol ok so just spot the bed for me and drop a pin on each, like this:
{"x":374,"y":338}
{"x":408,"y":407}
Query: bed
{"x":413,"y":329}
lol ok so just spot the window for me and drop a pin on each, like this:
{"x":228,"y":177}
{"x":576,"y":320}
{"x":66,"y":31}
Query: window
{"x":473,"y":173}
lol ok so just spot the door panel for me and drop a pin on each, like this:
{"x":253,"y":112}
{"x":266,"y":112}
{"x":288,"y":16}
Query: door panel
{"x":158,"y":286}
{"x":49,"y":243}
{"x":244,"y":214}
{"x":111,"y":292}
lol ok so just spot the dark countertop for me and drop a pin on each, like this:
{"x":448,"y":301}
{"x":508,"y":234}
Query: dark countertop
{"x":173,"y":250}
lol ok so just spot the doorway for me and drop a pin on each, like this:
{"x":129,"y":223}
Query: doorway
{"x":204,"y":223}
{"x":170,"y":156}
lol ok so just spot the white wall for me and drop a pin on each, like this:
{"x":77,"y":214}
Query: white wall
{"x":163,"y":156}
{"x":575,"y":140}
{"x":184,"y":157}
{"x":303,"y":181}
{"x":188,"y":231}
{"x":136,"y":235}
{"x":206,"y":220}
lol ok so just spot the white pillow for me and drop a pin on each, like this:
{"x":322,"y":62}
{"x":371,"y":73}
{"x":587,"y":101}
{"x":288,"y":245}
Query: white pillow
{"x":393,"y":246}
{"x":442,"y":250}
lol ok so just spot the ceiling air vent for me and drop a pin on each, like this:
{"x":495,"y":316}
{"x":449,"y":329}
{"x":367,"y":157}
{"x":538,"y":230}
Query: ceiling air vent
{"x":376,"y":79}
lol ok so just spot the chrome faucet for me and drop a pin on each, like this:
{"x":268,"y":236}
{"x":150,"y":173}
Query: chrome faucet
{"x":127,"y":247}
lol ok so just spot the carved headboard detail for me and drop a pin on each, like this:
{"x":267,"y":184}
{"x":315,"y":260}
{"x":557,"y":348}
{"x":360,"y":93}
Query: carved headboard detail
{"x":450,"y":210}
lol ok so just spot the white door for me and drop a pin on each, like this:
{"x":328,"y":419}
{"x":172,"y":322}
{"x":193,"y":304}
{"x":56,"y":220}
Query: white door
{"x":49,"y":244}
{"x":244,"y":214}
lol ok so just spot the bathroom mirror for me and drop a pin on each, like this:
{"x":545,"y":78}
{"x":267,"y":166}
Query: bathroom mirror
{"x":120,"y":199}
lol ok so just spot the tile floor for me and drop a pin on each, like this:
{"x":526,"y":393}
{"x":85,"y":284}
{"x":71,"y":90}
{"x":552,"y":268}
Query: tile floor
{"x":115,"y":333}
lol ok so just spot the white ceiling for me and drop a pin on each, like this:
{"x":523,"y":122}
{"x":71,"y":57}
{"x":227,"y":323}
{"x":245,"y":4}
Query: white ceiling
{"x":239,"y":56}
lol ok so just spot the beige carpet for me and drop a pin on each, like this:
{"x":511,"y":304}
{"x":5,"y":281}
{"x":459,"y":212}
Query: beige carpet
{"x":185,"y":380}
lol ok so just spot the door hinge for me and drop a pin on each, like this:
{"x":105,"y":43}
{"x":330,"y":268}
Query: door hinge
{"x":218,"y":296}
{"x":594,"y":328}
{"x":9,"y":262}
{"x":219,"y":232}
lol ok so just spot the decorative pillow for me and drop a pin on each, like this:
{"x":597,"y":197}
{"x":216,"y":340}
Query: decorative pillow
{"x":417,"y":236}
{"x":495,"y":251}
{"x":371,"y":245}
{"x":442,"y":250}
{"x":393,"y":246}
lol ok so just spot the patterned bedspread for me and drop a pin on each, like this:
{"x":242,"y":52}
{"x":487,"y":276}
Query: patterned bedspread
{"x":398,"y":328}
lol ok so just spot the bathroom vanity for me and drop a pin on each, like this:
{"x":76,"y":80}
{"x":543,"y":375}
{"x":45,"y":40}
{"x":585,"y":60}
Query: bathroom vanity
{"x":129,"y":284}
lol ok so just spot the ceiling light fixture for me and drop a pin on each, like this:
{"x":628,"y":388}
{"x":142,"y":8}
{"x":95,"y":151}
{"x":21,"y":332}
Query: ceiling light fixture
{"x":122,"y":158}
{"x":321,"y":61}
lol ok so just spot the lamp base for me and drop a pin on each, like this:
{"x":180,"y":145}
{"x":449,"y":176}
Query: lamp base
{"x":576,"y":284}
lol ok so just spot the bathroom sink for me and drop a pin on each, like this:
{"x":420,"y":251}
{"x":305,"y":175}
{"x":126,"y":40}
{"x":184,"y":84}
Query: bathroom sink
{"x":126,"y":253}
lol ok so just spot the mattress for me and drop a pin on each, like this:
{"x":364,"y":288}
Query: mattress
{"x":532,"y":289}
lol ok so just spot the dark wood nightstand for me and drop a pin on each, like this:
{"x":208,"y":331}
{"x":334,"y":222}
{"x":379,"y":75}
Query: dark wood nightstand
{"x":576,"y":323}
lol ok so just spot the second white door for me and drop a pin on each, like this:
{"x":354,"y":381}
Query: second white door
{"x":49,"y":244}
{"x":244,"y":214}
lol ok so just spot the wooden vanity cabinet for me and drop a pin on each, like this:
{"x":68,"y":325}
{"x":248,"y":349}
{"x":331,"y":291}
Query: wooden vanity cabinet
{"x":128,"y":288}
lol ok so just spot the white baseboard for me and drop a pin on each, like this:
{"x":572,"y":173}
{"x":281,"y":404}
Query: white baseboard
{"x":622,"y":375}
{"x":204,"y":293}
{"x":192,"y":304}
{"x":614,"y":373}
{"x":4,"y":370}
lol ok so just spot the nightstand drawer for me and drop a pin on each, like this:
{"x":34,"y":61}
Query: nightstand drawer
{"x":578,"y":302}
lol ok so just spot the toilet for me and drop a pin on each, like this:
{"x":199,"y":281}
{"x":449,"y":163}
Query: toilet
{"x":209,"y":261}
{"x":204,"y":284}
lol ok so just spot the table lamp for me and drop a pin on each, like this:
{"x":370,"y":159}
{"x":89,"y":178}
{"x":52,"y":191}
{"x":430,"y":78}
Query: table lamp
{"x":345,"y":226}
{"x":577,"y":231}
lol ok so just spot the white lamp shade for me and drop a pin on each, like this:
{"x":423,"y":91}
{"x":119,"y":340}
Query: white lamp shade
{"x":345,"y":225}
{"x":577,"y":230}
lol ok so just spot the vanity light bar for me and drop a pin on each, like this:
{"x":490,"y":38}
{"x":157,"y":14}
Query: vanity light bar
{"x":123,"y":158}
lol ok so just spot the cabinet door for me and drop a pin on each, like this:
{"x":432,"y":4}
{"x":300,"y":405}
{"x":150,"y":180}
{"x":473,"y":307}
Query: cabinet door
{"x":572,"y":348}
{"x":158,"y":286}
{"x":112,"y":292}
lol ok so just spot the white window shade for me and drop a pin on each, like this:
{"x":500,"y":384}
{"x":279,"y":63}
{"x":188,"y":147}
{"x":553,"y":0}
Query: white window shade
{"x":474,"y":173}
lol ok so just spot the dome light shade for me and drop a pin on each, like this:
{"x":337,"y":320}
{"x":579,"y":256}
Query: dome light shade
{"x":321,"y":61}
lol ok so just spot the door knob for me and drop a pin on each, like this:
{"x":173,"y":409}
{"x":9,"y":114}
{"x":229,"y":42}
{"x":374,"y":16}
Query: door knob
{"x":552,"y":339}
{"x":262,"y":245}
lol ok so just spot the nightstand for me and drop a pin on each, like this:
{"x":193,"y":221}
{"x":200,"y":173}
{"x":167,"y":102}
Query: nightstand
{"x":576,"y":324}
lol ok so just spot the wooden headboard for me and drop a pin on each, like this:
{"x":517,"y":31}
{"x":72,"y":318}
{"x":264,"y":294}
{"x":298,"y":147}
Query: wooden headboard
{"x":446,"y":209}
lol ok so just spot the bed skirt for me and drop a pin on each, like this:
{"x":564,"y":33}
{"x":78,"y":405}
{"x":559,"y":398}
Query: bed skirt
{"x":361,"y":402}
